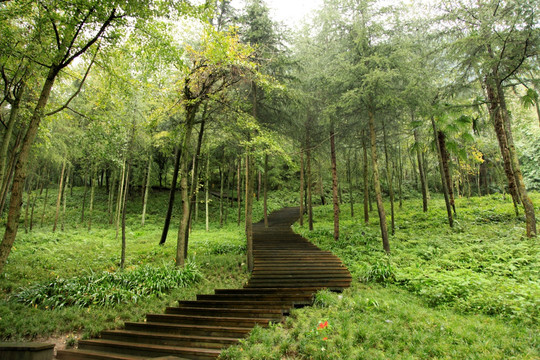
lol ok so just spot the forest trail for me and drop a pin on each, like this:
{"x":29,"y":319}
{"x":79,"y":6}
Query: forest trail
{"x":288,"y":270}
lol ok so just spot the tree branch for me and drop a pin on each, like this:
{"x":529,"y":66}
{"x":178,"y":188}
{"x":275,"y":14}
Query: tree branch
{"x":79,"y":89}
{"x":81,"y":24}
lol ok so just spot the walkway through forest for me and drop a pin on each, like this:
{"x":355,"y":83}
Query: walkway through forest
{"x":288,"y":270}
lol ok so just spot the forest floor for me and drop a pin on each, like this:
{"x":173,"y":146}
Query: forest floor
{"x":469,"y":292}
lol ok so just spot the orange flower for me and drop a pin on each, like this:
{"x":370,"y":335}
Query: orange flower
{"x":322,"y":325}
{"x":325,"y":338}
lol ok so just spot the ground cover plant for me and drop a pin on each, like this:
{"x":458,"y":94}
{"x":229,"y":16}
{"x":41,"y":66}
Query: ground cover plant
{"x":465,"y":293}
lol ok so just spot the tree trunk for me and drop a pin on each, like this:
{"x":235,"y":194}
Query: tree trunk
{"x":92,"y":194}
{"x":249,"y":211}
{"x":265,"y":199}
{"x":110,"y":202}
{"x":259,"y":183}
{"x":207,"y":191}
{"x":377,"y":184}
{"x":443,"y":177}
{"x":349,"y":179}
{"x":10,"y":173}
{"x":171,"y":196}
{"x":62,"y":226}
{"x":59,"y":197}
{"x":146,"y":189}
{"x":44,"y":206}
{"x":390,"y":180}
{"x":34,"y":201}
{"x":19,"y":176}
{"x":13,"y":114}
{"x":421,"y":172}
{"x":441,"y":138}
{"x":301,"y":219}
{"x":183,"y":233}
{"x":238,"y":190}
{"x":366,"y":178}
{"x":221,"y":185}
{"x":124,"y":201}
{"x":334,"y":183}
{"x":27,"y":205}
{"x":400,"y":177}
{"x":309,"y":182}
{"x":85,"y":193}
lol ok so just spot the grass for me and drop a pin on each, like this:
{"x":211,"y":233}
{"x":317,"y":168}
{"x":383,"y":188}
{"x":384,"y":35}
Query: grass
{"x":471,"y":292}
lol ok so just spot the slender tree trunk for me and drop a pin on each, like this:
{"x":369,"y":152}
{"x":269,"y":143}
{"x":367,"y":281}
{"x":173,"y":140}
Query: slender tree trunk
{"x":34,"y":201}
{"x":59,"y":197}
{"x":443,"y":177}
{"x":221,"y":185}
{"x":44,"y":206}
{"x":309,"y":186}
{"x":120,"y":197}
{"x":172,"y":193}
{"x":349,"y":179}
{"x":146,"y":189}
{"x":238,"y":192}
{"x":321,"y":185}
{"x":249,"y":211}
{"x":207,"y":191}
{"x":301,"y":220}
{"x":334,"y":183}
{"x":390,"y":180}
{"x":110,"y":204}
{"x":259,"y":183}
{"x":441,"y":138}
{"x":92,"y":194}
{"x":13,"y":114}
{"x":63,"y":224}
{"x":377,"y":184}
{"x":421,"y":171}
{"x":27,"y":205}
{"x":19,"y":176}
{"x":10,"y":173}
{"x":124,"y":202}
{"x":400,"y":177}
{"x":366,"y":178}
{"x":265,"y":199}
{"x":85,"y":193}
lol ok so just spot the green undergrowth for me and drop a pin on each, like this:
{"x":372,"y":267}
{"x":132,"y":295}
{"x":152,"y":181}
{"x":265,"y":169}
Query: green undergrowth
{"x":471,"y":292}
{"x":64,"y":282}
{"x":376,"y":322}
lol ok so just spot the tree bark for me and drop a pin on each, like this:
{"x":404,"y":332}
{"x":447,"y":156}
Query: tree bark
{"x":238,"y":190}
{"x":85,"y":193}
{"x":349,"y":180}
{"x":146,"y":189}
{"x":441,"y":138}
{"x":421,"y":172}
{"x":92,"y":194}
{"x":377,"y":184}
{"x":12,"y":222}
{"x":207,"y":191}
{"x":366,"y":178}
{"x":124,"y":201}
{"x":120,"y":197}
{"x":443,"y":177}
{"x":334,"y":183}
{"x":249,"y":211}
{"x":59,"y":197}
{"x":390,"y":180}
{"x":171,"y":196}
{"x":265,"y":195}
{"x":64,"y":195}
{"x":301,"y":219}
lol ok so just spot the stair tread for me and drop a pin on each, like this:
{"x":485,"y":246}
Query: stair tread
{"x":169,"y":336}
{"x":151,"y":346}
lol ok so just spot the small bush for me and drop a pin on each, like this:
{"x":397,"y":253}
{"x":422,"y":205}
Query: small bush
{"x":106,"y":289}
{"x":380,"y":272}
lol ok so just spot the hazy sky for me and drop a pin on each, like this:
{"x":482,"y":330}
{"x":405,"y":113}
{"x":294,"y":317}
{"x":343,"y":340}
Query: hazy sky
{"x":290,"y":12}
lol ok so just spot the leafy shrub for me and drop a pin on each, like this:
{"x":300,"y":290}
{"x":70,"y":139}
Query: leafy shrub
{"x":106,"y":289}
{"x":380,"y":272}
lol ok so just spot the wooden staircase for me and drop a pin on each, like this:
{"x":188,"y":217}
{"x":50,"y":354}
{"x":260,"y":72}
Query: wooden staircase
{"x":288,"y":270}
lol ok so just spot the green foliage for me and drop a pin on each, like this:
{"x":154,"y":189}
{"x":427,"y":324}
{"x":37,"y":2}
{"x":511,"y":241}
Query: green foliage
{"x":108,"y":288}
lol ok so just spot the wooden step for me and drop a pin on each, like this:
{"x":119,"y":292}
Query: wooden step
{"x":273,"y":314}
{"x":149,"y":350}
{"x":211,"y":342}
{"x":79,"y":354}
{"x":295,"y":298}
{"x":272,"y":290}
{"x":283,"y":305}
{"x":207,"y":320}
{"x":189,"y":329}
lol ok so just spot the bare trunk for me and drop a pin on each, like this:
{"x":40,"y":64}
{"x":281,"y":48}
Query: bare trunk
{"x":34,"y":201}
{"x":27,"y":205}
{"x":443,"y":177}
{"x":377,"y":184}
{"x":19,"y":176}
{"x":334,"y":183}
{"x":366,"y":178}
{"x":92,"y":194}
{"x":124,"y":201}
{"x":172,"y":194}
{"x":120,"y":197}
{"x":43,"y":211}
{"x":390,"y":180}
{"x":349,"y":179}
{"x":221,"y":185}
{"x":249,"y":212}
{"x":421,"y":172}
{"x":309,"y":183}
{"x":400,"y":177}
{"x":110,"y":202}
{"x":265,"y":199}
{"x":441,"y":138}
{"x":85,"y":193}
{"x":321,"y":186}
{"x":62,"y":227}
{"x":301,"y":219}
{"x":10,"y":172}
{"x":207,"y":191}
{"x":59,"y":197}
{"x":146,"y":189}
{"x":238,"y":191}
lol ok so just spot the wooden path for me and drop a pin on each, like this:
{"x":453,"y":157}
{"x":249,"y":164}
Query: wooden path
{"x":288,"y":270}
